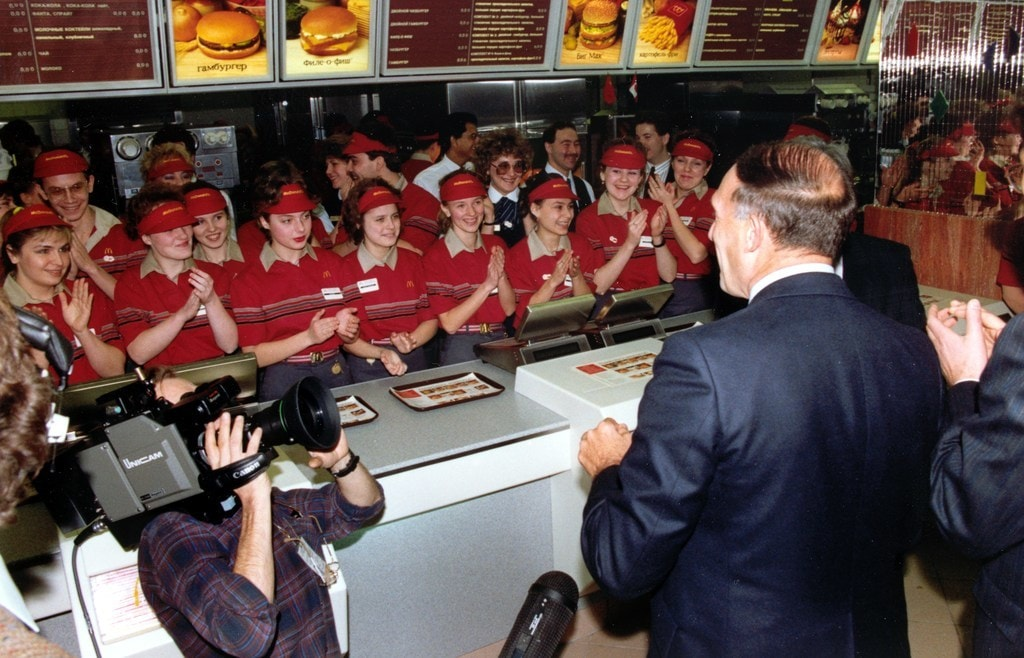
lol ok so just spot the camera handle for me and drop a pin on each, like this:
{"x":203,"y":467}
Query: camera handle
{"x":239,"y":473}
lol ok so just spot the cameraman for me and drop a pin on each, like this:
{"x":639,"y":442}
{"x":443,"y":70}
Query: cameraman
{"x":25,"y":398}
{"x":242,"y":587}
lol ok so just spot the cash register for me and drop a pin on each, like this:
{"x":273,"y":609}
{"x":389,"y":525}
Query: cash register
{"x":547,"y":331}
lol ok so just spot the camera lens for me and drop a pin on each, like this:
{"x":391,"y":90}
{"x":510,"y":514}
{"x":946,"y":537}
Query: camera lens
{"x":307,"y":414}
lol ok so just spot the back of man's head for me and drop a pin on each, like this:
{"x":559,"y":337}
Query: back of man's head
{"x":453,"y":126}
{"x":803,"y":190}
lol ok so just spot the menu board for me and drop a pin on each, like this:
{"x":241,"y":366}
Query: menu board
{"x":926,"y":28}
{"x":437,"y":35}
{"x":218,"y":41}
{"x":67,"y":45}
{"x":592,"y":34}
{"x":875,"y":47}
{"x":663,"y":34}
{"x":327,"y":40}
{"x":757,"y":31}
{"x":996,"y":20}
{"x":844,"y":31}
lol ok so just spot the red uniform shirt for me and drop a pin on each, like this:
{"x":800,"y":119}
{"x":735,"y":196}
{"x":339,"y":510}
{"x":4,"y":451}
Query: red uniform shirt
{"x":608,"y":232}
{"x":143,"y":302}
{"x":698,"y":215}
{"x":111,"y":247}
{"x":452,"y":279}
{"x":389,"y":300}
{"x":278,"y":301}
{"x":419,"y":217}
{"x":528,"y":267}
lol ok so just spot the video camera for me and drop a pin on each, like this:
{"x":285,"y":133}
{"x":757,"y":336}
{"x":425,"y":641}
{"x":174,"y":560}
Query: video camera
{"x":149,"y":454}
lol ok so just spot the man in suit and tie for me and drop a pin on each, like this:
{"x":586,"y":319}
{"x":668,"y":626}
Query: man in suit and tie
{"x":767,"y":495}
{"x":654,"y":137}
{"x":562,"y":143}
{"x":978,"y":465}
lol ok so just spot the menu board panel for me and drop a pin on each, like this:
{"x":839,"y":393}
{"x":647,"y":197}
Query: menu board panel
{"x":663,"y":34}
{"x":592,"y":34}
{"x":218,"y":41}
{"x":844,"y":31}
{"x":757,"y":31}
{"x":68,"y":45}
{"x":438,"y":36}
{"x":926,"y":28}
{"x":326,"y":40}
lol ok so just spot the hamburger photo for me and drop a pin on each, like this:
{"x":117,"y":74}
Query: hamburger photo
{"x":600,"y":24}
{"x":228,"y":35}
{"x":328,"y":31}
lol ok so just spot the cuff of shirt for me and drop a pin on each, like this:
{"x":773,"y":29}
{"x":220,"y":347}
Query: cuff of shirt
{"x":963,"y":398}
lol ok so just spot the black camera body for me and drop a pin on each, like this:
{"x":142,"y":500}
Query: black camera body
{"x":150,"y":457}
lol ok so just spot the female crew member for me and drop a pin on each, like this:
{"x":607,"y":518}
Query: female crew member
{"x":466,"y":272}
{"x":502,"y":156}
{"x":386,"y":284}
{"x":552,"y":263}
{"x":170,"y":307}
{"x":170,"y":164}
{"x":690,"y":215}
{"x":622,"y":225}
{"x":212,"y":230}
{"x":288,"y":302}
{"x":37,"y":260}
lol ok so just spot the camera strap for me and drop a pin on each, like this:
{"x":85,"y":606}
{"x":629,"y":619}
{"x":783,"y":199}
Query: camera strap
{"x":239,"y":473}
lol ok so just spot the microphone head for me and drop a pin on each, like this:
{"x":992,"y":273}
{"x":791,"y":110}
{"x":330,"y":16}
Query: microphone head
{"x":560,"y":586}
{"x":542,"y":621}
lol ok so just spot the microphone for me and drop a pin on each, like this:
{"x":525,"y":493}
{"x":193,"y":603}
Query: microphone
{"x":546,"y":613}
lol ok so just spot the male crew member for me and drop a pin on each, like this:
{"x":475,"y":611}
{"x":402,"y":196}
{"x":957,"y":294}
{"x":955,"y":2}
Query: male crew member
{"x":458,"y":135}
{"x":562,"y":144}
{"x":242,"y":587}
{"x":766,"y":497}
{"x":100,"y":249}
{"x":654,"y":137}
{"x":978,"y":465}
{"x":373,"y":153}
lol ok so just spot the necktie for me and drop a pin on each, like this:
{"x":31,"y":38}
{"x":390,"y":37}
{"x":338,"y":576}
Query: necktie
{"x":505,"y":212}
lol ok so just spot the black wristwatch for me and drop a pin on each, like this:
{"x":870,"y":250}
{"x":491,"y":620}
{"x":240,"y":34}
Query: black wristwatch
{"x":349,"y":467}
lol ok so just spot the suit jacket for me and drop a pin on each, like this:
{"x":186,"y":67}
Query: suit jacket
{"x":768,"y":497}
{"x":881,"y":274}
{"x":978,"y":480}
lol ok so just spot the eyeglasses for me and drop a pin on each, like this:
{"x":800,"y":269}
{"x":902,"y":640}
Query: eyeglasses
{"x":71,"y":190}
{"x":502,"y":167}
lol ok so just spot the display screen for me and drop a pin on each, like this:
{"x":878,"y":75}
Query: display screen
{"x":757,"y":31}
{"x":71,"y":43}
{"x":460,"y":34}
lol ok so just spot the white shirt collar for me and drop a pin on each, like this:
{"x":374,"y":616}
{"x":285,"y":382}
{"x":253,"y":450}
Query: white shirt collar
{"x":785,"y":272}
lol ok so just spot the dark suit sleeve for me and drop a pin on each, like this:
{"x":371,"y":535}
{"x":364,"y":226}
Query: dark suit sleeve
{"x":978,"y":466}
{"x":640,"y":514}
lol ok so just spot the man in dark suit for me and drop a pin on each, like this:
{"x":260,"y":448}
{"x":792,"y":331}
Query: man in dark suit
{"x":767,"y":496}
{"x":978,"y":466}
{"x":881,"y":274}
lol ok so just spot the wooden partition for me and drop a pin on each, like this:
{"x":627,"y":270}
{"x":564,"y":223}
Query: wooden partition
{"x":952,"y":252}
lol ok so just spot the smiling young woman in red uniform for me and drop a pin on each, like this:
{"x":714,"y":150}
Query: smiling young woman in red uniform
{"x":170,"y":307}
{"x":387,"y":285}
{"x":466,"y":272}
{"x":551,"y":263}
{"x":212,"y":230}
{"x":622,"y":225}
{"x":289,"y":303}
{"x":690,"y":215}
{"x":37,"y":259}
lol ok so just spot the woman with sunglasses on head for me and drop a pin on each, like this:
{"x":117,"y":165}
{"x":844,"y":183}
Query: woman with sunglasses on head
{"x":171,"y":308}
{"x":212,"y":230}
{"x":466,"y":272}
{"x":386,"y":284}
{"x":37,"y":261}
{"x":291,"y":311}
{"x":552,"y":263}
{"x":628,"y":230}
{"x":502,"y":157}
{"x":687,"y":201}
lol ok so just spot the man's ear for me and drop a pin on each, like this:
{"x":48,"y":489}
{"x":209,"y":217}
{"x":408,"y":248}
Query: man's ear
{"x":756,"y":233}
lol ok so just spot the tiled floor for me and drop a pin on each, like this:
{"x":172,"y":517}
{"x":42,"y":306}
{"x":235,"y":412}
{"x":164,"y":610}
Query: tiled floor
{"x":940,"y":609}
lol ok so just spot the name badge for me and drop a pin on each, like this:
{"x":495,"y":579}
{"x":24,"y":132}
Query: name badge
{"x":568,"y":281}
{"x":686,"y":220}
{"x":201,"y":312}
{"x":646,"y":241}
{"x":368,"y":285}
{"x":331,"y":294}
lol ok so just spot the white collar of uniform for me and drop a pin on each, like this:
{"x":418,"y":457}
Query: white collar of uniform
{"x":537,"y":248}
{"x":495,"y":196}
{"x":457,"y":246}
{"x":368,"y":261}
{"x":268,"y":256}
{"x":785,"y":272}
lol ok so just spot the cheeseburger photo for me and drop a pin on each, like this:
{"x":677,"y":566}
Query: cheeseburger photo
{"x":228,"y":35}
{"x":328,"y":31}
{"x":600,"y":24}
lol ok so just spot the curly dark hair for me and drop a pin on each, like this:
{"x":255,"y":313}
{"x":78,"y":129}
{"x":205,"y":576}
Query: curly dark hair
{"x":496,"y":143}
{"x":25,"y":398}
{"x":350,"y":214}
{"x":271,"y":177}
{"x":150,"y":196}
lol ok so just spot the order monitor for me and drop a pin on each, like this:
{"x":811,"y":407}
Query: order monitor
{"x":544,"y":333}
